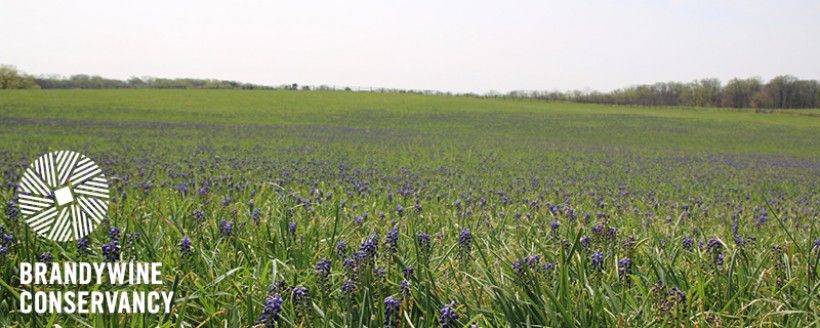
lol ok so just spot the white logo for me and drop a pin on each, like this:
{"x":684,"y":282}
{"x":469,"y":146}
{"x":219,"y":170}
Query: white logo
{"x":63,"y":195}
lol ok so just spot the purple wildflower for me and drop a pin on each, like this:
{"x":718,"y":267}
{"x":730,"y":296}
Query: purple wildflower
{"x":423,"y":240}
{"x":341,"y":248}
{"x":199,"y":215}
{"x":45,"y":257}
{"x":182,"y":188}
{"x":465,"y":239}
{"x":301,"y":296}
{"x":131,"y":239}
{"x":323,"y":268}
{"x":448,"y":316}
{"x":256,"y":214}
{"x":353,"y":264}
{"x":738,"y":239}
{"x":114,"y":233}
{"x":552,"y":208}
{"x":273,"y":306}
{"x":404,"y":288}
{"x":612,"y":232}
{"x":625,"y":267}
{"x":630,"y":242}
{"x":204,"y":189}
{"x":185,"y":245}
{"x":597,"y":259}
{"x":225,"y":227}
{"x":392,"y":240}
{"x":763,"y":217}
{"x":585,"y":241}
{"x":532,"y":260}
{"x":714,"y":245}
{"x":292,"y":227}
{"x":146,"y":186}
{"x":598,"y":230}
{"x":409,"y":272}
{"x":370,"y":246}
{"x":12,"y":212}
{"x":688,"y":243}
{"x":391,"y":311}
{"x":348,"y":287}
{"x":680,"y":294}
{"x":554,"y":226}
{"x":349,"y":264}
{"x":7,"y":237}
{"x":518,"y":267}
{"x":111,"y":251}
{"x":83,"y":246}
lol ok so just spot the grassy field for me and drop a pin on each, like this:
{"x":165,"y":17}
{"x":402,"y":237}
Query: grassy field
{"x":453,"y":211}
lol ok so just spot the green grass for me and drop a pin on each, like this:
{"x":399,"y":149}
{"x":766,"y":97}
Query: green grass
{"x":656,"y":175}
{"x":438,"y":119}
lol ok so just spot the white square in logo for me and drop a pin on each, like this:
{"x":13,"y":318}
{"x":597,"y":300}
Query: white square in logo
{"x":63,"y":196}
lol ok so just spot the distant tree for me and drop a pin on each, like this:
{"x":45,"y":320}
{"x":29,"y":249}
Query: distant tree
{"x":761,"y":99}
{"x":705,"y":93}
{"x":11,"y":78}
{"x":136,"y":82}
{"x":780,"y":90}
{"x":738,"y":93}
{"x":804,"y":94}
{"x":817,"y":95}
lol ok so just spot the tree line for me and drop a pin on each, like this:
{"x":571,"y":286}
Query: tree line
{"x":780,"y":92}
{"x":783,"y":91}
{"x":11,"y":78}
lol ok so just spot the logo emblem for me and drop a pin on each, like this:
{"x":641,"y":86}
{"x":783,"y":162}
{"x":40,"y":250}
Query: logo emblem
{"x":63,"y":195}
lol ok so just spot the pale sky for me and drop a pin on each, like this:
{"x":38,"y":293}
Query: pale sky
{"x":463,"y":46}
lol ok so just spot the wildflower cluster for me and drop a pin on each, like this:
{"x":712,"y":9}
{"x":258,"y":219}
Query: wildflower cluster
{"x":714,"y":247}
{"x":12,"y":211}
{"x":448,"y":317}
{"x":111,"y":249}
{"x":185,"y":245}
{"x":6,"y":240}
{"x":465,"y":242}
{"x":670,"y":303}
{"x":270,"y":314}
{"x":84,"y":246}
{"x":391,"y":312}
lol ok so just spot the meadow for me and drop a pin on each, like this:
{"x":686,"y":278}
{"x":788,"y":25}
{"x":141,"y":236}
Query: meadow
{"x":352,"y":209}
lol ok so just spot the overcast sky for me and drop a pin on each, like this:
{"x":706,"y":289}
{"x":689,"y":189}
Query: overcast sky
{"x":443,"y":45}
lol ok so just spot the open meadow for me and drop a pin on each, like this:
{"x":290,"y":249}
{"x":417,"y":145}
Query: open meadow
{"x":333,"y":209}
